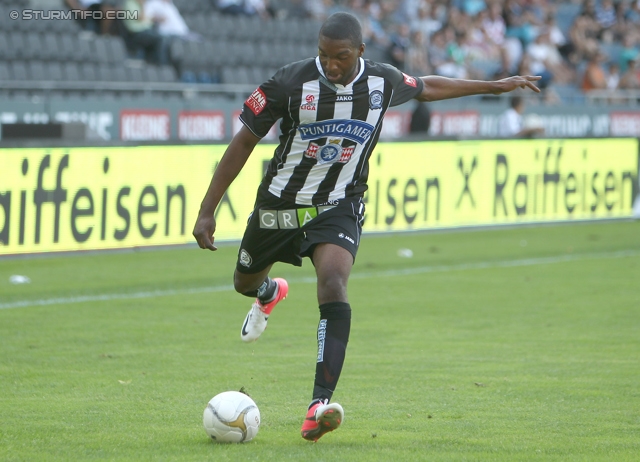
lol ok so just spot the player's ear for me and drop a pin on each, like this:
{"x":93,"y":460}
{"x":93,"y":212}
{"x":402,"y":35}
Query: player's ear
{"x":361,"y":50}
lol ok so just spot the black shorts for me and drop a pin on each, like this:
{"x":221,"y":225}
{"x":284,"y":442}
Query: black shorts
{"x":280,"y":232}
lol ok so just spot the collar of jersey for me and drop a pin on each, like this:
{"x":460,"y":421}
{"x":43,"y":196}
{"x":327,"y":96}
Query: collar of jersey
{"x":337,"y":85}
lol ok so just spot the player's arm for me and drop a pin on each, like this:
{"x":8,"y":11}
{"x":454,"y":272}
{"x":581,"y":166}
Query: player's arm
{"x":437,"y":88}
{"x":232,"y":161}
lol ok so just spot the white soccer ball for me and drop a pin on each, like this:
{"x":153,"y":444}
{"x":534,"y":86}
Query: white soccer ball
{"x":231,"y":417}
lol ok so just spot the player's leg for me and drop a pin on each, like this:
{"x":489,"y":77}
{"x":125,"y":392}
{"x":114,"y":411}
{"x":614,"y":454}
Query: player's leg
{"x":259,"y":249}
{"x":333,"y":266}
{"x":267,"y":292}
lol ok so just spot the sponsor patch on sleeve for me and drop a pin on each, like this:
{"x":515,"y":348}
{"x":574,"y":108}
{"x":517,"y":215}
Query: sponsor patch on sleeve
{"x":257,"y":101}
{"x":411,"y":81}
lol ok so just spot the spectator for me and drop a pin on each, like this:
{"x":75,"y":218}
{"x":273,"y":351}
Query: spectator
{"x":547,"y":61}
{"x":511,"y":122}
{"x":295,"y":9}
{"x":538,"y":51}
{"x":260,"y":8}
{"x":441,"y":60}
{"x":606,"y":18}
{"x":471,"y":7}
{"x":168,"y":19}
{"x":457,"y":50}
{"x":141,"y":35}
{"x":316,"y":9}
{"x":102,"y":26}
{"x":416,"y":58}
{"x":375,"y":33}
{"x":594,"y":77}
{"x":521,"y":23}
{"x":629,"y":52}
{"x":509,"y":48}
{"x":231,"y":7}
{"x":613,"y":77}
{"x":494,"y":26}
{"x":426,"y":22}
{"x":584,"y":34}
{"x":420,"y":119}
{"x":459,"y":21}
{"x":400,"y":41}
{"x":630,"y":80}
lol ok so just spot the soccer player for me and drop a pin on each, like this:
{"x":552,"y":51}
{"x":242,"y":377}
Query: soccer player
{"x":309,"y":203}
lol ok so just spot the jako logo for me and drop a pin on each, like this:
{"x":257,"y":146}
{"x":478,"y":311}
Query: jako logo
{"x":346,"y":238}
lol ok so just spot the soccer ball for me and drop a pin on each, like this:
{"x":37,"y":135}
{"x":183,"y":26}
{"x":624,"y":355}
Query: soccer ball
{"x":231,"y":417}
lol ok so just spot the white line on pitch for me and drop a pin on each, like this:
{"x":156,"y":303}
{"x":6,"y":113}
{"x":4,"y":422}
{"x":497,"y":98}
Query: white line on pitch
{"x":357,"y":275}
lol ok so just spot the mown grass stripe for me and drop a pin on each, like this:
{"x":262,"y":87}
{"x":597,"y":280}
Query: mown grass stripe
{"x":356,"y":275}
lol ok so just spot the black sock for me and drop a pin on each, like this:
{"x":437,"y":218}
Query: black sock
{"x":333,"y":336}
{"x":266,"y":292}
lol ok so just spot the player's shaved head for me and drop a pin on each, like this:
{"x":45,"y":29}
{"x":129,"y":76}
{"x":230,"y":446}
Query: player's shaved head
{"x":342,"y":26}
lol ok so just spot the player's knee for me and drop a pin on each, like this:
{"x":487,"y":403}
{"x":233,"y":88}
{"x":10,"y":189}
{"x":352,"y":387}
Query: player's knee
{"x":241,"y":284}
{"x":332,"y":287}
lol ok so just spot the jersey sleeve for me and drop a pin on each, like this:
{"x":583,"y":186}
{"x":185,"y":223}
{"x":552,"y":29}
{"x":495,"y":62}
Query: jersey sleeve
{"x":405,"y":87}
{"x":264,"y":106}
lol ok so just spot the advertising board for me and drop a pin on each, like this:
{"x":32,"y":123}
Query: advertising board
{"x":88,"y":198}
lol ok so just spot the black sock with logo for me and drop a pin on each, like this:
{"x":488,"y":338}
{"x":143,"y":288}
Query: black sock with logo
{"x":266,"y":292}
{"x":333,"y":336}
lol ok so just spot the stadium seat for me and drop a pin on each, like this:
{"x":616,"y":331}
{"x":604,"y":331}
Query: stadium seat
{"x":613,"y":51}
{"x":67,"y":47}
{"x":246,"y":53}
{"x":135,"y":74}
{"x":167,"y":74}
{"x":71,"y":72}
{"x":51,"y":47}
{"x":38,"y":25}
{"x":177,"y":51}
{"x":54,"y":71}
{"x":120,"y":74}
{"x":151,"y":73}
{"x":204,"y":77}
{"x":16,"y":45}
{"x":217,"y":28}
{"x":4,"y":47}
{"x":188,"y":76}
{"x":565,"y":15}
{"x":236,"y":75}
{"x":5,"y":74}
{"x":36,"y":71}
{"x":105,"y":72}
{"x":89,"y":72}
{"x":19,"y":71}
{"x":101,"y":50}
{"x":34,"y":46}
{"x":84,"y":51}
{"x":117,"y":51}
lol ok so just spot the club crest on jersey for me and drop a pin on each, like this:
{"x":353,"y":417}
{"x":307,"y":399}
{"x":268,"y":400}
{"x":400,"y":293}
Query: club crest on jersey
{"x":329,"y":153}
{"x":244,"y":258}
{"x":354,"y":130}
{"x":256,"y":101}
{"x":375,"y":100}
{"x":310,"y":104}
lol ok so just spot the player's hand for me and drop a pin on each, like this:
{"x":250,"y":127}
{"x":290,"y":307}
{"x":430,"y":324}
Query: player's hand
{"x":203,"y":232}
{"x":517,"y":81}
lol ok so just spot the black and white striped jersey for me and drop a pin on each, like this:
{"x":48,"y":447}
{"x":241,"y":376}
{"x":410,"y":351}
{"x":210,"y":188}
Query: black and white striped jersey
{"x":328,"y":131}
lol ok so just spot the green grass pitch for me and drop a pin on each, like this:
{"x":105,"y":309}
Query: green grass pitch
{"x":510,"y":344}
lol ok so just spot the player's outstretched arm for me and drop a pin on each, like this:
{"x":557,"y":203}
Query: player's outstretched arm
{"x":437,"y":88}
{"x":232,"y":161}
